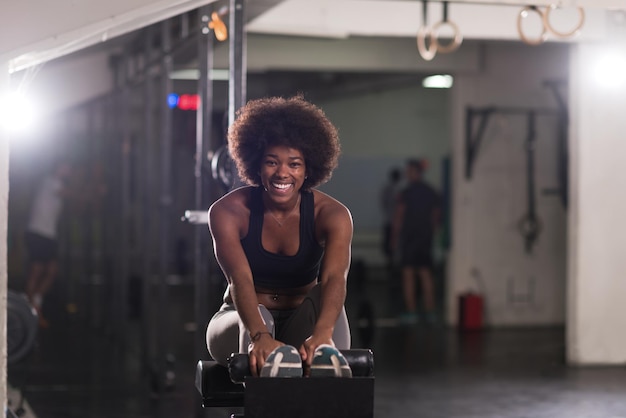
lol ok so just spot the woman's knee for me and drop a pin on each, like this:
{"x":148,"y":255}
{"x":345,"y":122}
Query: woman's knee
{"x":222,"y":335}
{"x":244,"y":335}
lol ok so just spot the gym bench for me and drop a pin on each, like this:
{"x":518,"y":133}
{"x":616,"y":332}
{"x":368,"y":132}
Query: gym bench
{"x":276,"y":397}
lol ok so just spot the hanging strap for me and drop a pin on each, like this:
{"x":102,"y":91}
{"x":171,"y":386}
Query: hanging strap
{"x":530,"y":225}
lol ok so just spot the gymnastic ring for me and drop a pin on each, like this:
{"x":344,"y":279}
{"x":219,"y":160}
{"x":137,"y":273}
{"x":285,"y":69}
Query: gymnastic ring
{"x":548,"y":25}
{"x":428,"y":53}
{"x":456,"y":40}
{"x":520,"y":18}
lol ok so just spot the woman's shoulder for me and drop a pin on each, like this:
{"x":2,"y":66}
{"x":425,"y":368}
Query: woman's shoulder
{"x":234,"y":202}
{"x":326,"y":205}
{"x":324,"y":198}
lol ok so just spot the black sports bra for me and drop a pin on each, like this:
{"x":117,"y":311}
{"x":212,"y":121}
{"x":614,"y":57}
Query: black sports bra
{"x":277,"y":271}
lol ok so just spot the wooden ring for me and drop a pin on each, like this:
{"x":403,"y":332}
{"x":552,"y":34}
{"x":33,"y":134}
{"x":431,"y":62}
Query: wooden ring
{"x":428,"y":53}
{"x":520,"y":17}
{"x":456,"y":40}
{"x":550,"y":28}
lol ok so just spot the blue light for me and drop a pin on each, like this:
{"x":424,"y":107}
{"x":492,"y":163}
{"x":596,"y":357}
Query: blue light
{"x":172,"y":100}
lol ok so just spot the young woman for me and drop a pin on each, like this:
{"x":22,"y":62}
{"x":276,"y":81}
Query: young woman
{"x":283,"y":246}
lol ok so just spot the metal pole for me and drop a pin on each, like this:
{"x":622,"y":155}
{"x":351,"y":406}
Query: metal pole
{"x":237,"y":58}
{"x":122,"y":291}
{"x":96,"y":215}
{"x":165,"y":200}
{"x":147,"y":235}
{"x":117,"y":202}
{"x":203,"y":136}
{"x":88,"y":219}
{"x":109,"y":255}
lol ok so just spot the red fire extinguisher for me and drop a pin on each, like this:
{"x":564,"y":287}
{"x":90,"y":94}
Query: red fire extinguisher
{"x":470,"y":311}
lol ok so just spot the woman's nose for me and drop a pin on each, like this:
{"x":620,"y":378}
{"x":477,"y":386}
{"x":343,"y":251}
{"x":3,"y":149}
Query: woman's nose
{"x":282,"y":170}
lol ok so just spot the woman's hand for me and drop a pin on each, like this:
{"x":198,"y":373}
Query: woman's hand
{"x":307,"y":350}
{"x":259,"y":350}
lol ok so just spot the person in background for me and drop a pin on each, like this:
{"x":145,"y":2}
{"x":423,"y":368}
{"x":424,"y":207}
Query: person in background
{"x":415,"y":222}
{"x":388,"y":198}
{"x":283,"y":246}
{"x":42,"y":235}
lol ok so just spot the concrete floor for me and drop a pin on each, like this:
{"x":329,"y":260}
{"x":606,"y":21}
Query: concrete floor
{"x":79,"y":368}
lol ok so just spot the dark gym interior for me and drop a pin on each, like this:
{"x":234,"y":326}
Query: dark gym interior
{"x":138,"y":282}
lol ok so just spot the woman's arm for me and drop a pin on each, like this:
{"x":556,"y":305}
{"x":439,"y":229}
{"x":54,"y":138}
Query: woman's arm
{"x":335,"y":223}
{"x":225,"y":222}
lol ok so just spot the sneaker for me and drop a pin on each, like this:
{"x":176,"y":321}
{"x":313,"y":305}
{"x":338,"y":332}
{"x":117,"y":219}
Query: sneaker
{"x":329,"y":362}
{"x":284,"y":361}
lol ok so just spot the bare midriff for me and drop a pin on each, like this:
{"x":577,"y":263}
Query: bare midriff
{"x":279,"y":299}
{"x":283,"y":299}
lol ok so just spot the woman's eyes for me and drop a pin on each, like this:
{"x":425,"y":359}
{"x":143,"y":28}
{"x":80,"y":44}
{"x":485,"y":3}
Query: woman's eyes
{"x":271,"y":163}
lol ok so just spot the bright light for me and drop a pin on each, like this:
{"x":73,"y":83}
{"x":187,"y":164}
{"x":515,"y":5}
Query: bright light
{"x":610,"y":70}
{"x":17,"y":114}
{"x":215,"y":74}
{"x":441,"y":81}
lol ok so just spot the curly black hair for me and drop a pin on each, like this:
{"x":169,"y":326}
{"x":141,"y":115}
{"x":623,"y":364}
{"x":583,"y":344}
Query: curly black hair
{"x":292,"y":122}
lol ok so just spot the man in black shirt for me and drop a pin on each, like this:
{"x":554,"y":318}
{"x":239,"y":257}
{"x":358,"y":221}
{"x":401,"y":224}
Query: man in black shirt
{"x":417,"y":217}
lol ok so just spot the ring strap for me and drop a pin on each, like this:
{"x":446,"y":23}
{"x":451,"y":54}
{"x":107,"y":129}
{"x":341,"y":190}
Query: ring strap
{"x":427,"y":52}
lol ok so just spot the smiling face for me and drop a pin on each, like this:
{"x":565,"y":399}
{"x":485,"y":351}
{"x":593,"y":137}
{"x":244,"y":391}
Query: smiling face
{"x":283,"y":172}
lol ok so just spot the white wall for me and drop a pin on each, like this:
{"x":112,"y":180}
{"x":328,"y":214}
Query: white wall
{"x":597,"y":243}
{"x":488,"y":252}
{"x":4,"y":216}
